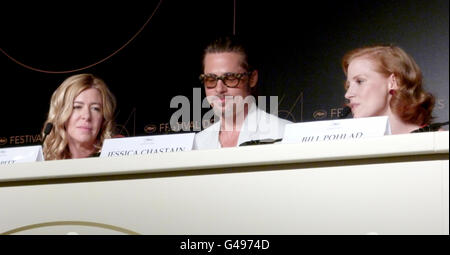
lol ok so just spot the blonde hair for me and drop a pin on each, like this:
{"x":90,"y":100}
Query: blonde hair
{"x":410,"y":102}
{"x":61,"y":107}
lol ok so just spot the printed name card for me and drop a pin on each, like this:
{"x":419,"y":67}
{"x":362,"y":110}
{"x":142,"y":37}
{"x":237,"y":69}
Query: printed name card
{"x":21,"y":154}
{"x":142,"y":145}
{"x":331,"y":130}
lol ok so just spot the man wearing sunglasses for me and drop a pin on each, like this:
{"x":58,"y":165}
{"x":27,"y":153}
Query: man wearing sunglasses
{"x":229,"y":81}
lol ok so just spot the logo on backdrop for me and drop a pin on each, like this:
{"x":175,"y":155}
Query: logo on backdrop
{"x":440,"y":104}
{"x":320,"y":114}
{"x":150,"y":129}
{"x":20,"y":140}
{"x":333,"y":113}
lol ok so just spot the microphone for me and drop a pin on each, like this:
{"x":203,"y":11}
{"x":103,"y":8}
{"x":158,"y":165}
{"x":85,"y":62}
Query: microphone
{"x":345,"y":112}
{"x":436,"y":126}
{"x":431,"y":127}
{"x":47,"y":130}
{"x":262,"y":141}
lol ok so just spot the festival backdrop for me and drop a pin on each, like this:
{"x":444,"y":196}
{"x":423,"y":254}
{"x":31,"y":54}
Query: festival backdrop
{"x":149,"y":52}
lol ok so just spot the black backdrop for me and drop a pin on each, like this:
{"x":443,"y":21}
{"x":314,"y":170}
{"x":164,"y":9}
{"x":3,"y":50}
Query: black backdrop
{"x":298,"y":47}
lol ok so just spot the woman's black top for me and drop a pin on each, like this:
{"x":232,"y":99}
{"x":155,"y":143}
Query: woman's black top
{"x":430,"y":127}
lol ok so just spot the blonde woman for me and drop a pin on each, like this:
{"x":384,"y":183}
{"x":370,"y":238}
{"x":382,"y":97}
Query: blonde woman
{"x":81,"y":111}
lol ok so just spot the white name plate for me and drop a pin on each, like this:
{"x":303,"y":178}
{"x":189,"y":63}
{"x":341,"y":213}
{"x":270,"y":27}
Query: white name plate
{"x":21,"y":154}
{"x":331,"y":130}
{"x":142,"y":145}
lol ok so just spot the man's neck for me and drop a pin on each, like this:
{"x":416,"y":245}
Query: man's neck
{"x":234,"y":122}
{"x":230,"y":128}
{"x":229,"y":138}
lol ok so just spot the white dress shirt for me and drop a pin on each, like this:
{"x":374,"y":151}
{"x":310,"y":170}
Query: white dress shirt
{"x":257,"y":125}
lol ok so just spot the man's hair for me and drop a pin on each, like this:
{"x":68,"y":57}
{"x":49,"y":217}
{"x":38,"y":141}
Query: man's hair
{"x":226,"y":44}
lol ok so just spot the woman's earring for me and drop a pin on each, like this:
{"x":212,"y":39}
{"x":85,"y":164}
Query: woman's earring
{"x":392,"y":91}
